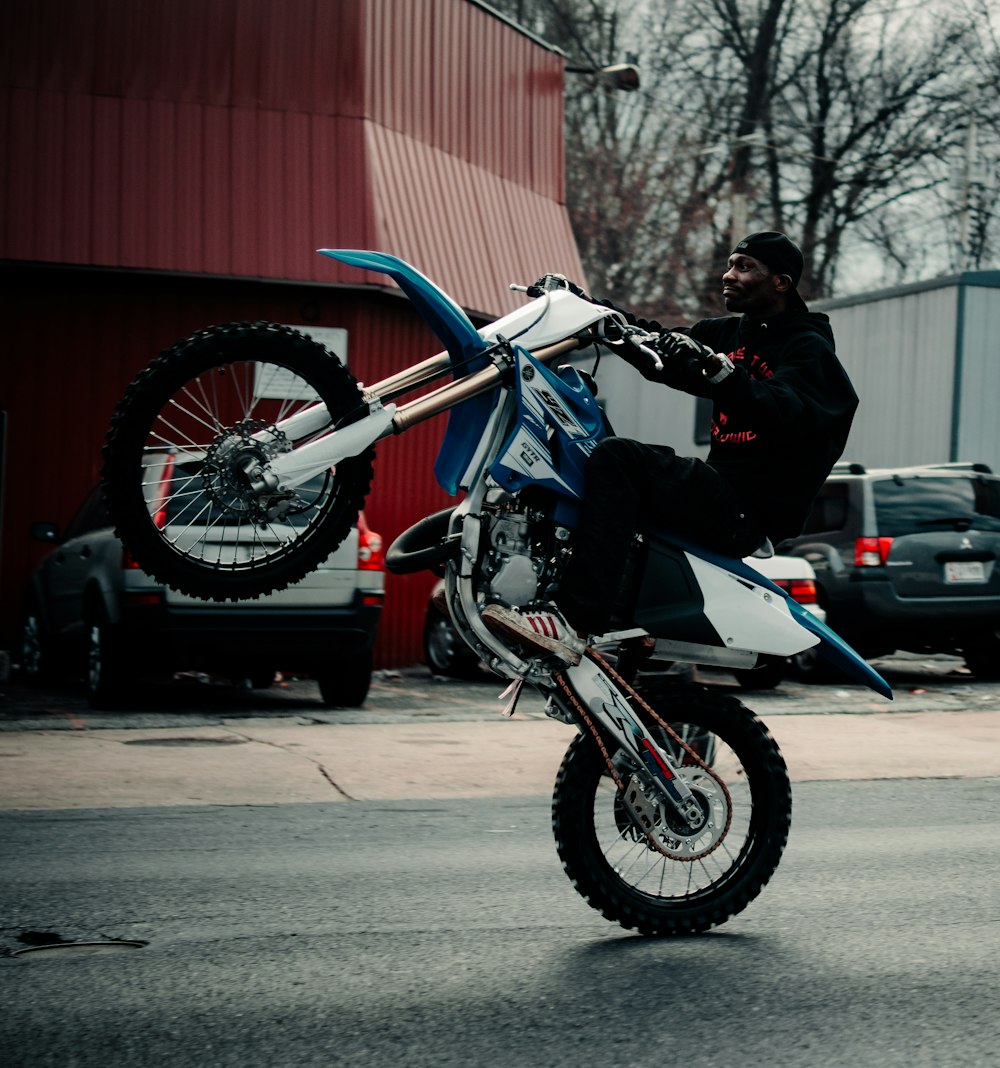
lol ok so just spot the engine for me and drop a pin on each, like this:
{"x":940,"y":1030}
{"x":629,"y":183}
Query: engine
{"x":516,"y":565}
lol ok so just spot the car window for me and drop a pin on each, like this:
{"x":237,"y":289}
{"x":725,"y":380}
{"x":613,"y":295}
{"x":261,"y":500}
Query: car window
{"x":91,"y":515}
{"x":829,"y":510}
{"x":919,"y":505}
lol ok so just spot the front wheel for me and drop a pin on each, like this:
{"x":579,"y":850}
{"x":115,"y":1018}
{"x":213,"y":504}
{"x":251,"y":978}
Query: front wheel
{"x":188,"y":461}
{"x":616,"y":869}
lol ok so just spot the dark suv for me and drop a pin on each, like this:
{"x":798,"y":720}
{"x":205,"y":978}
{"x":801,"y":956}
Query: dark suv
{"x":906,"y":559}
{"x":90,"y":608}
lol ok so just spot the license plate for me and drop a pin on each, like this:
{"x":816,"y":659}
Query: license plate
{"x":964,"y":571}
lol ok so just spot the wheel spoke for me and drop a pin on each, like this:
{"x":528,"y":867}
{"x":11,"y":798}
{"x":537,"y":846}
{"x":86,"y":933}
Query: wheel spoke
{"x":210,"y":406}
{"x":179,"y":438}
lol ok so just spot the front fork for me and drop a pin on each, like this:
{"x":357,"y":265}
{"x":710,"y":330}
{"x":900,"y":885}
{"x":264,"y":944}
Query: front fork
{"x":601,"y":699}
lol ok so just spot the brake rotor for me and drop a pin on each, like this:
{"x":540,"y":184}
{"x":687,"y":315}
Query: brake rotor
{"x":663,"y":830}
{"x":236,"y":473}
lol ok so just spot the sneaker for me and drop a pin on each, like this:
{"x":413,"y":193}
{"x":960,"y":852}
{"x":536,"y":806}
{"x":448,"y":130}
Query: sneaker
{"x":545,"y":633}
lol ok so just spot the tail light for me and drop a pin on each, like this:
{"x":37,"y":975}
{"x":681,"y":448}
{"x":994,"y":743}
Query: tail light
{"x":370,"y":554}
{"x":160,"y":513}
{"x":871,"y":552}
{"x":801,"y":590}
{"x":129,"y":562}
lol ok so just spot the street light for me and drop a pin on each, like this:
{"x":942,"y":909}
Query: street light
{"x":623,"y":76}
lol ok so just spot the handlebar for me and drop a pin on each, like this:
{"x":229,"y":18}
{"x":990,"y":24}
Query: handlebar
{"x":546,"y":284}
{"x":633,"y":335}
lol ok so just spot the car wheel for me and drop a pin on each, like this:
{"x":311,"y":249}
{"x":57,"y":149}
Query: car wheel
{"x":33,"y":656}
{"x":983,"y":658}
{"x":345,"y":685}
{"x":444,"y":651}
{"x":770,"y":670}
{"x":107,"y":675}
{"x":810,"y":667}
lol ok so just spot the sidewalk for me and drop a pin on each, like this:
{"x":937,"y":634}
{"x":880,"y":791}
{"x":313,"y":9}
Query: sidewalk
{"x":255,"y":762}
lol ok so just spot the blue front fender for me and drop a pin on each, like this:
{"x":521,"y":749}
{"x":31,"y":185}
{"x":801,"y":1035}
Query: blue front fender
{"x":467,"y":349}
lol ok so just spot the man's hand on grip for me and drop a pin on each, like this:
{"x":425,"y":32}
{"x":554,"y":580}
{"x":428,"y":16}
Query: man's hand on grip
{"x":673,"y":344}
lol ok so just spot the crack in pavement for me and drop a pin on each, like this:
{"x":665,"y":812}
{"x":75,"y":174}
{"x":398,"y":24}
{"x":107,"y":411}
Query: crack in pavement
{"x":287,"y":749}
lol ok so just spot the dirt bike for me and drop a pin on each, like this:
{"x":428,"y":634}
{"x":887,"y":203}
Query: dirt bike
{"x":672,"y":805}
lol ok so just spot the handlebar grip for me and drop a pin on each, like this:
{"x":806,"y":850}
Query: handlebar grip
{"x":653,"y":355}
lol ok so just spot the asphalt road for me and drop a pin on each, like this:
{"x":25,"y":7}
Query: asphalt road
{"x":375,"y":928}
{"x":444,"y":933}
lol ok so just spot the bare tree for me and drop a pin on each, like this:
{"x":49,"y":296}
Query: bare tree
{"x":839,"y":121}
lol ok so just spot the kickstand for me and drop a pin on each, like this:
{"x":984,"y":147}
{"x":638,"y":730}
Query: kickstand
{"x":512,"y":693}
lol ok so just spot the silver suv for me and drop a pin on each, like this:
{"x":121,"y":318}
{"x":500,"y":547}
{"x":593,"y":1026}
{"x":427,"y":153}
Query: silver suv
{"x":906,"y":559}
{"x":90,"y":608}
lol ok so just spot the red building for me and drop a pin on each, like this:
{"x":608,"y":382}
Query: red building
{"x":171,"y":163}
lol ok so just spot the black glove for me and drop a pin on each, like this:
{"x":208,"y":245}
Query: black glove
{"x":556,"y":281}
{"x":673,"y":345}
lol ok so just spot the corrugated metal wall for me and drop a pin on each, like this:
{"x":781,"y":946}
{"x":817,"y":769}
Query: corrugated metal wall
{"x":900,"y":354}
{"x":978,"y":431}
{"x":232,"y":138}
{"x":235,"y":137}
{"x":906,"y":350}
{"x":646,"y":411}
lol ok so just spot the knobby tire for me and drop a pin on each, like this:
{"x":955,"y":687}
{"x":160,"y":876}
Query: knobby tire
{"x":584,"y":785}
{"x":217,"y":350}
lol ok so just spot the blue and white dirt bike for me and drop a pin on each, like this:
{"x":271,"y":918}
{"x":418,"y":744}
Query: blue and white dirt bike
{"x":672,"y":805}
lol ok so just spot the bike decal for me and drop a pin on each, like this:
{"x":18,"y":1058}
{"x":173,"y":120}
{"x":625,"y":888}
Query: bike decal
{"x":526,"y":456}
{"x":657,"y":759}
{"x":550,"y":403}
{"x":603,"y":698}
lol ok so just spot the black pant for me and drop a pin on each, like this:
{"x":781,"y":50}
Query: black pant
{"x":628,"y":486}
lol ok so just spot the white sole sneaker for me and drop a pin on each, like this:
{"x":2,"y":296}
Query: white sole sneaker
{"x":542,"y":632}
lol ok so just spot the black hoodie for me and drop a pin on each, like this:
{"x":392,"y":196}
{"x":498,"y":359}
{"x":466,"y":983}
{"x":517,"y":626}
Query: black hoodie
{"x":781,"y":419}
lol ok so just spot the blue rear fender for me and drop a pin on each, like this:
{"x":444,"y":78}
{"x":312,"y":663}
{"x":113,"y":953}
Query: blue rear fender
{"x":831,"y":646}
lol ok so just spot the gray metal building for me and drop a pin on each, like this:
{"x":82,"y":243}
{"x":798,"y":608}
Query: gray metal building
{"x":924,"y":358}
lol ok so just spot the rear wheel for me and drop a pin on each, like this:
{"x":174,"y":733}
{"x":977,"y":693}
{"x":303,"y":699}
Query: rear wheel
{"x":187,"y":462}
{"x":618,"y":871}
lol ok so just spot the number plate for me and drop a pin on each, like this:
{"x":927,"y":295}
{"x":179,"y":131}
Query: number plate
{"x":964,"y":571}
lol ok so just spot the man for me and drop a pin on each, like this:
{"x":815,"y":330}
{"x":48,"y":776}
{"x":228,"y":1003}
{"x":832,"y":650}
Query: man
{"x":782,"y":407}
